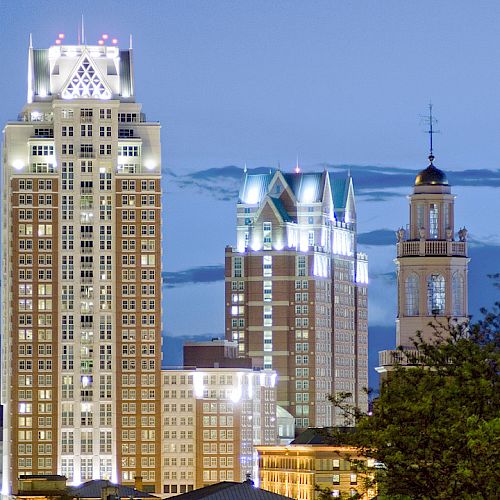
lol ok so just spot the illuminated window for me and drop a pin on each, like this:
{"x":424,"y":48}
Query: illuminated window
{"x":268,"y":315}
{"x":86,"y":83}
{"x":268,"y":340}
{"x":433,"y":220}
{"x":267,"y":265}
{"x":436,"y":294}
{"x":268,"y":291}
{"x":267,"y":235}
{"x":268,"y":362}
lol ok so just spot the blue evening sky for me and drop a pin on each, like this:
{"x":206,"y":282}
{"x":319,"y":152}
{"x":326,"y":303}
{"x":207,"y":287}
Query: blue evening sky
{"x":337,"y":82}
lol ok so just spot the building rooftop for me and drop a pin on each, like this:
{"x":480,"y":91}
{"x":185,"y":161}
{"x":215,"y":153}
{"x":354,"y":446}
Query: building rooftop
{"x":331,"y":436}
{"x":228,"y":490}
{"x":93,"y":489}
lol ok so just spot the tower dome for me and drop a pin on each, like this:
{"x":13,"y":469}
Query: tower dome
{"x":431,"y":176}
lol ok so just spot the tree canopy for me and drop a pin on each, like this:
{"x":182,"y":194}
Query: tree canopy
{"x":434,"y":430}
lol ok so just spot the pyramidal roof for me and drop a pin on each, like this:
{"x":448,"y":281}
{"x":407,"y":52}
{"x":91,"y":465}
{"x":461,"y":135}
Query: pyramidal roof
{"x":86,"y":82}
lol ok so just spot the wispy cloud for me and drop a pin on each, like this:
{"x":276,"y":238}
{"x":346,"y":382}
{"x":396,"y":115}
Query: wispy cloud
{"x":379,"y":237}
{"x":194,"y":275}
{"x":222,"y":183}
{"x":374,"y":183}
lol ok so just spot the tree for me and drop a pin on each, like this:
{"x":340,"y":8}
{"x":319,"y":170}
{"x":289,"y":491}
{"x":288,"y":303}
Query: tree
{"x":435,"y":428}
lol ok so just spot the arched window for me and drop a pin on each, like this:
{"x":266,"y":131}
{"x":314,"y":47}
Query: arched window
{"x":411,"y":292}
{"x":457,"y":287}
{"x":436,"y":294}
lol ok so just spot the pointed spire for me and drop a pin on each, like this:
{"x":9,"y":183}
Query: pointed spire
{"x":431,"y":133}
{"x":245,"y":169}
{"x":130,"y":42}
{"x":297,"y":166}
{"x":31,"y":41}
{"x":83,"y":31}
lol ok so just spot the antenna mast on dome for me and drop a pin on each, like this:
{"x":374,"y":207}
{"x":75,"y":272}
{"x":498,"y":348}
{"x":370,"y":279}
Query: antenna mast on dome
{"x":431,"y":121}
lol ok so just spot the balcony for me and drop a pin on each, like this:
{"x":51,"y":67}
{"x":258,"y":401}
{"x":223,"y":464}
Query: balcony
{"x":414,"y":248}
{"x":392,"y":357}
{"x":86,"y":154}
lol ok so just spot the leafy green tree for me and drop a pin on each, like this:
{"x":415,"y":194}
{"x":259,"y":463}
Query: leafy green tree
{"x":435,"y":428}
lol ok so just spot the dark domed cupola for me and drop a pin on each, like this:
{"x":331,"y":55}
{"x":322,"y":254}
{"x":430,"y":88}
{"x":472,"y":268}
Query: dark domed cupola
{"x":431,"y":176}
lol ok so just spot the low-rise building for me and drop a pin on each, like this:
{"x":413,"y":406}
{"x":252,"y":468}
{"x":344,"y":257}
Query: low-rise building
{"x":310,"y":460}
{"x":212,"y":418}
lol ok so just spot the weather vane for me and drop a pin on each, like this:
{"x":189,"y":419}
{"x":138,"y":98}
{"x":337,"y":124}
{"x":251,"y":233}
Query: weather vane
{"x":431,"y":122}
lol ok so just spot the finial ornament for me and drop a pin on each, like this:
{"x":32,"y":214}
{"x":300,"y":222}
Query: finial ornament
{"x":431,"y":120}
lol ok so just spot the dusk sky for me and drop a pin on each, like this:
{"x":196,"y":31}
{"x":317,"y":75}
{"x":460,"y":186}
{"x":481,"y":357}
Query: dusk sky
{"x":341,"y":84}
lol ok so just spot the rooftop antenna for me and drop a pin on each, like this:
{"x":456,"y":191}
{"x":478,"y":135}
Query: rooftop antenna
{"x":297,"y":166}
{"x":83,"y":31}
{"x":130,"y":42}
{"x":431,"y":121}
{"x":245,"y":169}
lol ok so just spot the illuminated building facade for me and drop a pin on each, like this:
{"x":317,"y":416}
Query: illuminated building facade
{"x":212,"y":419}
{"x":81,"y":290}
{"x":296,"y":469}
{"x":296,"y":290}
{"x":431,"y":262}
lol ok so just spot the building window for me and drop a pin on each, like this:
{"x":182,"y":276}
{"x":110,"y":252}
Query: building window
{"x":420,"y":216}
{"x":457,"y":285}
{"x":267,"y":265}
{"x":412,"y":296}
{"x":436,"y":294}
{"x":268,"y":291}
{"x":433,"y":220}
{"x":301,"y":264}
{"x":268,"y":315}
{"x":237,"y":267}
{"x":268,"y":340}
{"x":310,"y":238}
{"x":268,"y":362}
{"x":267,"y":235}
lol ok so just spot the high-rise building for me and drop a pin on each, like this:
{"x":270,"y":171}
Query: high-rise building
{"x":296,"y":290}
{"x":81,"y":265}
{"x":431,"y":263}
{"x":212,"y":419}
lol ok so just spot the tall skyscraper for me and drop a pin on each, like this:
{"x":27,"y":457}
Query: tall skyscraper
{"x":81,"y":280}
{"x":431,"y":263}
{"x":296,"y":290}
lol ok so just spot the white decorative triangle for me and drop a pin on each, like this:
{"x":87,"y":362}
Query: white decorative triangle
{"x":85,"y":82}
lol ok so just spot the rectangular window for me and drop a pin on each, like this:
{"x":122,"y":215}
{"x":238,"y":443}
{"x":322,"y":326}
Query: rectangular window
{"x":268,"y":340}
{"x":268,"y":291}
{"x":301,"y":265}
{"x":267,"y":235}
{"x":433,"y":220}
{"x":268,"y":315}
{"x":238,"y":267}
{"x":267,"y":266}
